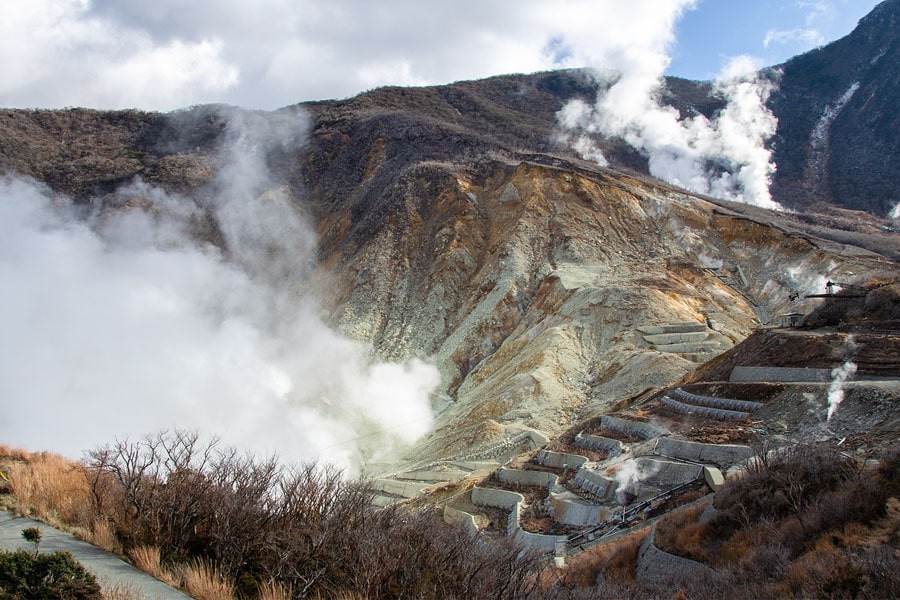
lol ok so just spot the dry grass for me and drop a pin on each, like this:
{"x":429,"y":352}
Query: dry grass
{"x":616,"y":561}
{"x":119,"y":591}
{"x":204,"y":582}
{"x":146,"y":558}
{"x":104,"y":537}
{"x":680,"y":533}
{"x":884,"y":530}
{"x":48,"y":486}
{"x":273,"y":590}
{"x":10,"y":453}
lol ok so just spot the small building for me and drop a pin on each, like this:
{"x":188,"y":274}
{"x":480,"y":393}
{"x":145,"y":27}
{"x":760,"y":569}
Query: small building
{"x":793,"y":319}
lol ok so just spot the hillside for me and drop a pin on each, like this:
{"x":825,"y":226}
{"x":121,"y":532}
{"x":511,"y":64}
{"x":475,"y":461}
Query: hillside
{"x":836,"y":108}
{"x":606,"y":347}
{"x":523,"y":276}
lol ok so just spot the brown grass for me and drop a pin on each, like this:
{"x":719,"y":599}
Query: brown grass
{"x":272,"y":590}
{"x":119,"y":591}
{"x":680,"y":533}
{"x":104,"y":537}
{"x":884,"y":530}
{"x":48,"y":486}
{"x":146,"y":558}
{"x":616,"y":561}
{"x":204,"y":582}
{"x":10,"y":453}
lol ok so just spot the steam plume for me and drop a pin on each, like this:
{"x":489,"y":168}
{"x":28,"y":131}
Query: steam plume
{"x":725,"y":156}
{"x":122,"y":322}
{"x":836,"y":389}
{"x":839,"y":376}
{"x":629,"y":475}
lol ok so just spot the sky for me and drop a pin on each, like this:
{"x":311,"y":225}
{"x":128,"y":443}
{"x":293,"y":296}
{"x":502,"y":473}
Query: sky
{"x":266,"y":54}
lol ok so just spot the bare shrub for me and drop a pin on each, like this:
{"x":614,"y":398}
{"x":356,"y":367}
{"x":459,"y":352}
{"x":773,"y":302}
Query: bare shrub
{"x":415,"y":554}
{"x":880,"y":569}
{"x":822,"y":574}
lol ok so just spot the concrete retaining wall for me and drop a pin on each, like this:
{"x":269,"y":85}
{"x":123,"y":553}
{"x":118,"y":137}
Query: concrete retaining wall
{"x":665,"y":473}
{"x":559,"y":460}
{"x":431,"y":475}
{"x":596,"y":484}
{"x":453,"y":516}
{"x":538,"y":541}
{"x":519,"y":477}
{"x":713,"y":402}
{"x":703,"y":411}
{"x":696,"y":348}
{"x":598,"y":442}
{"x":629,"y":427}
{"x":656,"y":566}
{"x":677,"y":327}
{"x":779,"y":374}
{"x":474,"y":465}
{"x":385,"y":501}
{"x":407,"y":489}
{"x":714,"y":478}
{"x":569,"y":509}
{"x":675,"y":338}
{"x":496,"y":498}
{"x":510,"y":501}
{"x":720,"y":454}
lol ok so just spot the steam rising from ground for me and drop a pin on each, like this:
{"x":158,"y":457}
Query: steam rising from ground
{"x":120,"y":322}
{"x":629,"y":475}
{"x":836,"y":389}
{"x":839,"y":376}
{"x":724,"y":156}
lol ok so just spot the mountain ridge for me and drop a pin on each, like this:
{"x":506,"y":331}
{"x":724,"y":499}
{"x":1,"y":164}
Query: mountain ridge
{"x":452,"y":224}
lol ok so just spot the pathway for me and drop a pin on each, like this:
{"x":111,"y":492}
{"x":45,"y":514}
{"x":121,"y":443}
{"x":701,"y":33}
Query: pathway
{"x":100,"y":563}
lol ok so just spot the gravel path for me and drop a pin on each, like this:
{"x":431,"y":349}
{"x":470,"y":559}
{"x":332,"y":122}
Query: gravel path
{"x":100,"y":563}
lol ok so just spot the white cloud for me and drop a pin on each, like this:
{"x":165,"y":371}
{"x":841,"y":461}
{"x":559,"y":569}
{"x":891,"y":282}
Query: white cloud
{"x":165,"y":54}
{"x":818,"y":10}
{"x":808,"y":38}
{"x":60,"y":54}
{"x":818,"y":14}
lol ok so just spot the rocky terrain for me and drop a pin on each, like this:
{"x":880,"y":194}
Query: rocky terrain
{"x":452,"y":226}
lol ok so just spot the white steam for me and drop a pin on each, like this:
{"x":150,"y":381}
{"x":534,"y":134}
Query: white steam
{"x":629,"y":475}
{"x":836,"y":389}
{"x":895,"y":212}
{"x":725,"y":156}
{"x":123,"y":323}
{"x":838,"y":376}
{"x":805,"y":277}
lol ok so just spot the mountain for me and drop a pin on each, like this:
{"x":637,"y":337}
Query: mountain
{"x":454,"y":225}
{"x":618,"y":344}
{"x":838,"y":108}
